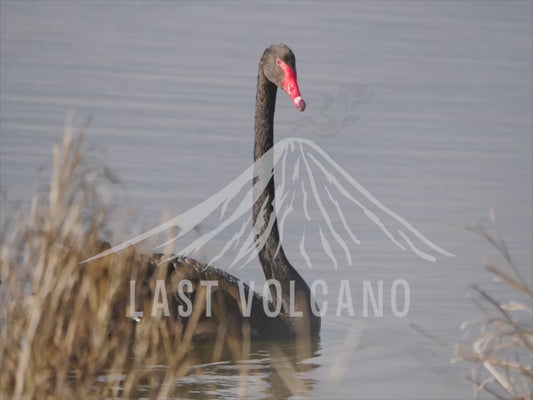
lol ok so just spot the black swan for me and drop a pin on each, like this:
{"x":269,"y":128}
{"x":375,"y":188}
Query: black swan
{"x":277,"y":69}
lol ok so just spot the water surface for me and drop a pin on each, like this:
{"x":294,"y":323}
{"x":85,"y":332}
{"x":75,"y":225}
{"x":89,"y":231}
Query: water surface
{"x":441,"y":133}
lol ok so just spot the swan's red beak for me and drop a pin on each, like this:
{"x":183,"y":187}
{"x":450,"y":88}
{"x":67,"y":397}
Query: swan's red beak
{"x":290,"y":85}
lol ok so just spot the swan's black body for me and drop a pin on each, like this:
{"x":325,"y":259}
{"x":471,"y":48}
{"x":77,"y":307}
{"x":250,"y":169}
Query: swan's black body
{"x":275,"y":69}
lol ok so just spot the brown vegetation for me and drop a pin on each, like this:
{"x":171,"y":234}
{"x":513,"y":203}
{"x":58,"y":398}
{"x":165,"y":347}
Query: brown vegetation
{"x":64,"y":329}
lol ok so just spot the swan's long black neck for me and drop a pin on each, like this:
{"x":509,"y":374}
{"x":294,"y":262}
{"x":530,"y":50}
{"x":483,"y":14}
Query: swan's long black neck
{"x":271,"y":256}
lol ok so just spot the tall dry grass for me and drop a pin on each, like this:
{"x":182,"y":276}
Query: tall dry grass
{"x":501,"y":349}
{"x":501,"y":353}
{"x":65,"y":331}
{"x":64,"y":326}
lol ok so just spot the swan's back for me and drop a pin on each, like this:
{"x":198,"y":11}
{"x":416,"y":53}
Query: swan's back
{"x":226,"y":307}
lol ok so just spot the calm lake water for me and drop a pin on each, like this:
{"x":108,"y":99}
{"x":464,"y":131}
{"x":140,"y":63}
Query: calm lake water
{"x":427,"y":104}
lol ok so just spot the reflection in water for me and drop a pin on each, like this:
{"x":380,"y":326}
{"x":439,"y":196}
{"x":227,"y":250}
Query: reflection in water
{"x":272,"y":370}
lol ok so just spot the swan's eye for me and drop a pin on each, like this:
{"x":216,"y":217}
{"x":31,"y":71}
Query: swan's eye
{"x":278,"y":61}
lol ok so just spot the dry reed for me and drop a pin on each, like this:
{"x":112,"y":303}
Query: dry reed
{"x":501,"y":353}
{"x":64,"y":326}
{"x":65,"y":331}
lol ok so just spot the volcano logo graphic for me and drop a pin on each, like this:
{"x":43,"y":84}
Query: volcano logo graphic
{"x":311,"y":187}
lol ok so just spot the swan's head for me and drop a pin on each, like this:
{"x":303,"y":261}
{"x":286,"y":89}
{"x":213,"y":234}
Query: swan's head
{"x":279,"y":66}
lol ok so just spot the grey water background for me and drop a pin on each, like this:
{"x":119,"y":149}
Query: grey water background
{"x":444,"y":136}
